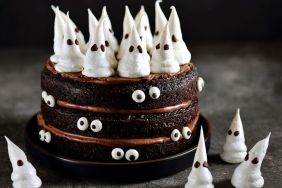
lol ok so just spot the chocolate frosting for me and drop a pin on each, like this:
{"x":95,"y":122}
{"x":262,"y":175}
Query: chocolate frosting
{"x":116,"y":79}
{"x":108,"y":141}
{"x":167,"y":109}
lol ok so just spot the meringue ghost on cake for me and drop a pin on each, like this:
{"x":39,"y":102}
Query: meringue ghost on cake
{"x":234,"y":149}
{"x":135,"y":61}
{"x":78,"y":33}
{"x":59,"y":29}
{"x":182,"y":54}
{"x":128,"y":23}
{"x":96,"y":62}
{"x":146,"y":23}
{"x":200,"y":176}
{"x":71,"y":59}
{"x":24,"y":174}
{"x":248,"y":174}
{"x":160,"y":21}
{"x":163,"y":59}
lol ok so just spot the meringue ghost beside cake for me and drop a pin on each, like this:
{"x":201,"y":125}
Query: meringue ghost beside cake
{"x":118,"y":103}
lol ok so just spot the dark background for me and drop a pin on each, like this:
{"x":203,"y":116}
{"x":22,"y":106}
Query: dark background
{"x":30,"y":22}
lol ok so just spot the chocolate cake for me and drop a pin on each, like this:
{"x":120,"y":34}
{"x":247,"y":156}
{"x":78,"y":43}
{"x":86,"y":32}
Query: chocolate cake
{"x":140,"y":107}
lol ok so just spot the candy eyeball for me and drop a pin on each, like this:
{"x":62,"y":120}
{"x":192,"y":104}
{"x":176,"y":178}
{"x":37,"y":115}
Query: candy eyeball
{"x":82,"y":124}
{"x":42,"y":134}
{"x":50,"y":101}
{"x":117,"y":154}
{"x":154,"y":92}
{"x":44,"y":95}
{"x":138,"y":96}
{"x":200,"y":84}
{"x":47,"y":137}
{"x":132,"y":155}
{"x":186,"y":133}
{"x":175,"y":135}
{"x":96,"y":125}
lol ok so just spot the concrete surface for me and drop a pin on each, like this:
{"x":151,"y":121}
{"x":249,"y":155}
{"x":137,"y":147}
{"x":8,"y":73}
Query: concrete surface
{"x":245,"y":75}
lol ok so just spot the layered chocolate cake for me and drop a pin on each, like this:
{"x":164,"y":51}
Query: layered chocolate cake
{"x":105,"y":102}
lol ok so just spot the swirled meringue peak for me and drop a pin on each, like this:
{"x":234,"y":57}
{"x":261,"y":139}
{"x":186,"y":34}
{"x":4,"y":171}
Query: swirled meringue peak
{"x":200,"y":176}
{"x":160,"y":21}
{"x":163,"y":59}
{"x":182,"y":54}
{"x":146,"y":23}
{"x":96,"y":63}
{"x":59,"y":29}
{"x":248,"y":173}
{"x":128,"y":23}
{"x":235,"y":149}
{"x":92,"y":25}
{"x":71,"y":59}
{"x":135,"y":61}
{"x":24,"y":174}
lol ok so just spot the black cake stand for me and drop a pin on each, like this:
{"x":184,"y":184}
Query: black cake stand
{"x":125,"y":171}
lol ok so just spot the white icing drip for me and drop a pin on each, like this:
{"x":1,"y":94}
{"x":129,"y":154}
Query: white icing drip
{"x":135,"y":63}
{"x":142,"y":16}
{"x":59,"y":29}
{"x":92,"y":24}
{"x":163,"y":60}
{"x":234,"y":149}
{"x":160,"y":21}
{"x":248,"y":174}
{"x":96,"y":62}
{"x":24,"y":174}
{"x":200,"y":177}
{"x":79,"y":35}
{"x":71,"y":59}
{"x":182,"y":54}
{"x":200,"y":84}
{"x":128,"y":23}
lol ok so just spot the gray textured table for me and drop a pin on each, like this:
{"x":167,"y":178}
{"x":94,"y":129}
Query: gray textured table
{"x":245,"y":75}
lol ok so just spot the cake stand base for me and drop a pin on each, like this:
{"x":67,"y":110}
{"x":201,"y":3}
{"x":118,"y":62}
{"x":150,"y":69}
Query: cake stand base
{"x":125,"y":171}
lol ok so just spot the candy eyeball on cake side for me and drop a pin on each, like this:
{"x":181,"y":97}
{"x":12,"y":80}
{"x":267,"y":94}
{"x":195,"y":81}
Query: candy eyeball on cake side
{"x":200,"y":175}
{"x":234,"y":149}
{"x":248,"y":173}
{"x":24,"y":174}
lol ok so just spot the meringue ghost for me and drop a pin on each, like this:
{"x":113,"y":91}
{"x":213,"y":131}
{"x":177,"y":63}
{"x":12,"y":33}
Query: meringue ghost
{"x":71,"y":59}
{"x":163,"y":59}
{"x":248,"y":174}
{"x":148,"y":34}
{"x":135,"y":61}
{"x":128,"y":23}
{"x":200,"y":176}
{"x":92,"y":25}
{"x":182,"y":54}
{"x":160,"y":21}
{"x":234,"y":149}
{"x":96,"y":63}
{"x":78,"y":33}
{"x":24,"y":174}
{"x":59,"y":29}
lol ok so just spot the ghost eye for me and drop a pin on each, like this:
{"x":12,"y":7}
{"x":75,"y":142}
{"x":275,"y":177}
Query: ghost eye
{"x":132,"y":155}
{"x":247,"y":157}
{"x":50,"y":100}
{"x":197,"y":164}
{"x":186,"y":133}
{"x":175,"y":135}
{"x":229,"y":132}
{"x":255,"y":161}
{"x":20,"y":163}
{"x":138,"y":96}
{"x":96,"y":125}
{"x":47,"y":137}
{"x":82,"y":124}
{"x":154,"y":92}
{"x":236,"y":133}
{"x":117,"y":154}
{"x":41,"y":134}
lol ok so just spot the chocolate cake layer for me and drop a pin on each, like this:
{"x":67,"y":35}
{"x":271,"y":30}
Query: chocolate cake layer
{"x":121,"y":125}
{"x":116,"y":92}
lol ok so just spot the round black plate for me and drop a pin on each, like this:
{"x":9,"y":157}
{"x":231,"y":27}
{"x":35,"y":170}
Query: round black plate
{"x":126,"y":171}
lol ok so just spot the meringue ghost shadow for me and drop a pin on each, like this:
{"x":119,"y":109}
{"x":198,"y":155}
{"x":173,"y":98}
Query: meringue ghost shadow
{"x":114,"y":172}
